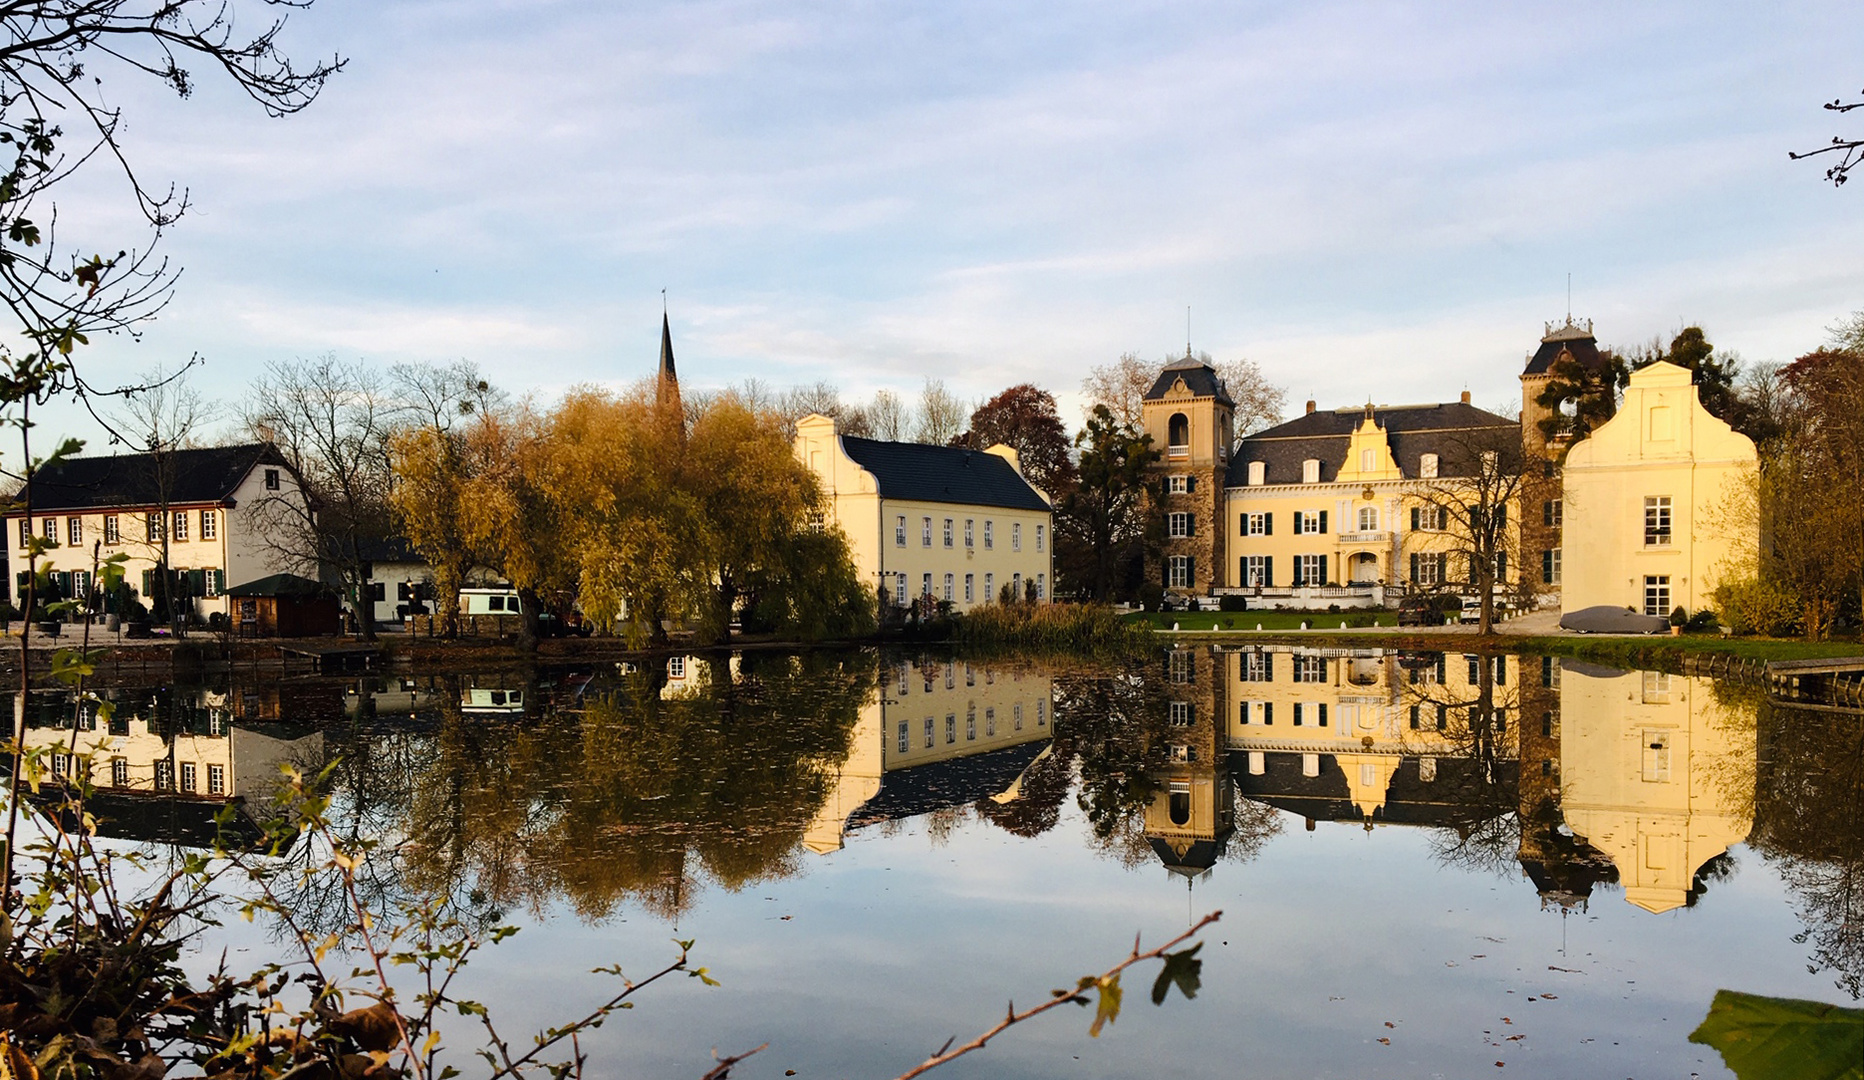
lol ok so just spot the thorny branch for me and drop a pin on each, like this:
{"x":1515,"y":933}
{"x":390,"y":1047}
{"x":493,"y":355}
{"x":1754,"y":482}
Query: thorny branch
{"x":1850,"y":151}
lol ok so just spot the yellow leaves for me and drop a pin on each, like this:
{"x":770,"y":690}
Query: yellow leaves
{"x":1107,"y":1009}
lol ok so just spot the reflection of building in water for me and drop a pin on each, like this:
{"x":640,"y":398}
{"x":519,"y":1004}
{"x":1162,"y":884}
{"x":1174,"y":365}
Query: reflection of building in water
{"x":690,"y":676}
{"x":933,"y":736}
{"x":1191,"y":815}
{"x":164,"y":768}
{"x":1644,"y":759}
{"x":1563,"y":867}
{"x":1368,"y":735}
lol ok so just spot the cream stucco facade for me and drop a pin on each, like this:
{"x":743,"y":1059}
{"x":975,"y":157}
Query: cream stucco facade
{"x":1655,"y":775}
{"x":1640,"y":497}
{"x":914,"y":545}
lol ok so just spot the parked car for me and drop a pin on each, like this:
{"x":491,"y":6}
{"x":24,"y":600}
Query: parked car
{"x":1424,"y":609}
{"x":1606,"y":619}
{"x":1471,"y":610}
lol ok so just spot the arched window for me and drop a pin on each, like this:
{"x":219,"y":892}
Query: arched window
{"x":1178,"y":431}
{"x":1180,"y":803}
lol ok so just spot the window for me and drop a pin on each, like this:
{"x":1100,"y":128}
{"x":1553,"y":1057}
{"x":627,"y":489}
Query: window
{"x":74,"y":530}
{"x":1550,"y":671}
{"x":1475,"y":669}
{"x":1178,"y":525}
{"x":1656,"y":688}
{"x":947,"y":534}
{"x":1310,"y":471}
{"x":1178,"y":433}
{"x":1255,"y":524}
{"x":1310,"y":522}
{"x":181,"y":525}
{"x":1257,"y":666}
{"x":1429,"y":519}
{"x":119,"y":773}
{"x":1550,"y":566}
{"x":899,"y":590}
{"x":1427,"y":466}
{"x":989,"y":534}
{"x":1177,"y":485}
{"x":970,"y":724}
{"x":50,"y":528}
{"x":1040,"y":538}
{"x":990,"y":723}
{"x":970,"y":588}
{"x":1180,"y":714}
{"x":1255,"y":571}
{"x":925,"y":585}
{"x":1041,"y":713}
{"x":1368,"y":519}
{"x":676,"y":667}
{"x":1257,"y":473}
{"x":904,"y":738}
{"x":1178,"y":571}
{"x":1656,"y":754}
{"x":1552,"y":513}
{"x":1016,"y":716}
{"x":1366,"y":461}
{"x":165,"y":775}
{"x":25,"y":531}
{"x":1016,"y":536}
{"x":1310,"y":569}
{"x":899,"y":531}
{"x":929,"y":723}
{"x":948,"y":588}
{"x":1414,"y":717}
{"x":1429,"y":568}
{"x":1310,"y":669}
{"x":1657,"y":594}
{"x":1016,"y":587}
{"x":110,"y":529}
{"x":61,"y":765}
{"x":187,"y":776}
{"x":951,"y":728}
{"x":1041,"y":586}
{"x":1657,"y":521}
{"x":1180,"y":666}
{"x":990,"y":587}
{"x":970,"y":533}
{"x":152,"y":528}
{"x":925,"y":532}
{"x":271,"y":479}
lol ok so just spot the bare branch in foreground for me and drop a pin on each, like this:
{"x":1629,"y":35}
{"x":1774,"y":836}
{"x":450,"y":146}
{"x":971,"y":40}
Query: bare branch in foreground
{"x":947,"y":1053}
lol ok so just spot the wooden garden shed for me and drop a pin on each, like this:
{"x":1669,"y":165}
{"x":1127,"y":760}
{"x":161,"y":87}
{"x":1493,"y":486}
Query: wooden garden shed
{"x":285,"y":605}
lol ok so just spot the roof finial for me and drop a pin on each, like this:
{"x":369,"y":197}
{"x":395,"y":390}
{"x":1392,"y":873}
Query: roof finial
{"x":1187,"y":331}
{"x":1569,"y":298}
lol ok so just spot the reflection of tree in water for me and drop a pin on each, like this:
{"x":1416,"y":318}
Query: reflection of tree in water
{"x":631,"y":795}
{"x":1809,"y":821}
{"x":1037,"y":806}
{"x":1112,"y":722}
{"x":1477,"y":793}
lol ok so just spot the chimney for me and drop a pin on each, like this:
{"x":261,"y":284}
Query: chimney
{"x":1310,"y":405}
{"x":1465,"y":397}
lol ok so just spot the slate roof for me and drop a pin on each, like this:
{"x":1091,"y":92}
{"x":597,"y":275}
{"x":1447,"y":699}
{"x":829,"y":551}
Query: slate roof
{"x":1581,"y":343}
{"x":388,"y":549}
{"x":1198,"y":377}
{"x":280,"y":585}
{"x":1411,"y":431}
{"x":941,"y":785}
{"x":206,"y":475}
{"x":943,"y":474}
{"x":1453,"y":797}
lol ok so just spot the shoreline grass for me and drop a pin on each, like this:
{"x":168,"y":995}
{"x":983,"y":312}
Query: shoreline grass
{"x":1079,"y":628}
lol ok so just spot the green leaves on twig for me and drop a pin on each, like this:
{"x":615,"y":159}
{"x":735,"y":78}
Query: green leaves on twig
{"x":1765,"y":1038}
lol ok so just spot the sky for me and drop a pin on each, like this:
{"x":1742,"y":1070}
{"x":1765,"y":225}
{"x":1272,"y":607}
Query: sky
{"x":1369,"y":200}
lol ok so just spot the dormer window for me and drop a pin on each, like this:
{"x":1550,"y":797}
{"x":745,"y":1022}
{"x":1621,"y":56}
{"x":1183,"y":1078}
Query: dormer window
{"x":1178,"y":432}
{"x":1257,"y":471}
{"x":1310,"y":471}
{"x":1427,"y":466}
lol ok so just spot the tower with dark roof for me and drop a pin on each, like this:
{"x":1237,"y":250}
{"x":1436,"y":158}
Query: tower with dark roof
{"x":667,"y":388}
{"x":1191,"y":417}
{"x":1541,"y":510}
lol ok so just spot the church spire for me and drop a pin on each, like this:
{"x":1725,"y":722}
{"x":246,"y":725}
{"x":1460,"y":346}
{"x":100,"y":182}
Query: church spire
{"x":667,"y":393}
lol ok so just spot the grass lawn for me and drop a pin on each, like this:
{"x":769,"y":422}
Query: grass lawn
{"x":1667,"y":652}
{"x":1270,"y":620}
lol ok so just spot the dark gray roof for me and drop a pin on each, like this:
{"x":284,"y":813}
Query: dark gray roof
{"x":1583,"y":346}
{"x":941,"y":785}
{"x":280,"y":585}
{"x":207,"y":475}
{"x":1411,"y":430}
{"x":944,"y":474}
{"x":387,"y":549}
{"x":1199,"y":378}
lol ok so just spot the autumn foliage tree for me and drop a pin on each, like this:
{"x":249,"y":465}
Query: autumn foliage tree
{"x":1024,"y":418}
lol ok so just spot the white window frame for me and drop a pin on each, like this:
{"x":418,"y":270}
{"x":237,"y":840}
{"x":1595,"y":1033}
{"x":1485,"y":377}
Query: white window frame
{"x":1427,"y":466}
{"x":1041,"y":586}
{"x":112,"y":535}
{"x":216,"y":779}
{"x":1307,"y":570}
{"x":190,"y":774}
{"x":948,"y":535}
{"x":1255,"y":525}
{"x":1659,"y":521}
{"x":1041,"y":536}
{"x":899,"y":530}
{"x":1310,"y":471}
{"x":925,"y":585}
{"x":990,"y":588}
{"x":1178,"y":484}
{"x":1180,"y":571}
{"x":990,"y":534}
{"x":1307,"y":522}
{"x":899,"y":590}
{"x":1180,"y":715}
{"x":1657,"y":595}
{"x":1255,"y":570}
{"x":1550,"y":567}
{"x":1178,"y":525}
{"x":181,"y":527}
{"x":970,"y":533}
{"x":74,"y":531}
{"x":1258,"y":473}
{"x":1368,"y":519}
{"x":925,"y":532}
{"x":210,"y":525}
{"x":950,"y":588}
{"x":676,"y":667}
{"x":970,"y":588}
{"x":1016,"y":536}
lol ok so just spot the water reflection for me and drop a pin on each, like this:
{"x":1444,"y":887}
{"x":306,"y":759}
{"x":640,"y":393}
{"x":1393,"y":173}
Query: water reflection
{"x":646,"y":785}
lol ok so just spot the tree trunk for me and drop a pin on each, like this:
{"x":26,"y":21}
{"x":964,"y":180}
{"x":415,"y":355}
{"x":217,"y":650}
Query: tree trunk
{"x":529,"y":628}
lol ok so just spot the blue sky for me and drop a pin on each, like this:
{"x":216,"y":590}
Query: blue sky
{"x":1368,"y":199}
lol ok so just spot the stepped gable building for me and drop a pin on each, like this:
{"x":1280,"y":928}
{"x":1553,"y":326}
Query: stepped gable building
{"x":938,"y":522}
{"x":1340,"y":505}
{"x":1543,"y":451}
{"x":1191,"y":418}
{"x":191,"y":509}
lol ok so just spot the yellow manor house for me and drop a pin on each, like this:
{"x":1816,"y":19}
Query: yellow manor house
{"x":933,"y":521}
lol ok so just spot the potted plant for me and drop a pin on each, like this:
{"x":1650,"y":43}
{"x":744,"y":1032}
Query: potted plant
{"x":1678,"y":619}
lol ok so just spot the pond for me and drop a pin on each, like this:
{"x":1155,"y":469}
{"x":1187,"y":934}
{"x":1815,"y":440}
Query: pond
{"x":1428,"y":864}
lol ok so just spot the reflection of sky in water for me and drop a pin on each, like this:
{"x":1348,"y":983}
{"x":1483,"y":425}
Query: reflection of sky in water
{"x":870,"y":955}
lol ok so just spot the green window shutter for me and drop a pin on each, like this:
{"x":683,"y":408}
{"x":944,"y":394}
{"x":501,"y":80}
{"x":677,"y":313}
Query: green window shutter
{"x":1501,"y":516}
{"x":220,"y":581}
{"x":1242,"y":524}
{"x":1268,"y":709}
{"x":197,"y":582}
{"x":1323,"y":525}
{"x":1190,"y":484}
{"x":1268,"y":571}
{"x":1501,"y":567}
{"x":1414,"y":556}
{"x":1268,"y":524}
{"x":1323,"y":558}
{"x":1417,"y":518}
{"x":148,"y":582}
{"x":1190,"y":524}
{"x":1323,"y":714}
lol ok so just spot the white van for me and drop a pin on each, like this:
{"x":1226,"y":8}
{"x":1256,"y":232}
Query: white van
{"x":493,"y":601}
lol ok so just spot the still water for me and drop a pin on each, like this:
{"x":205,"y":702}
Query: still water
{"x":1428,"y":864}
